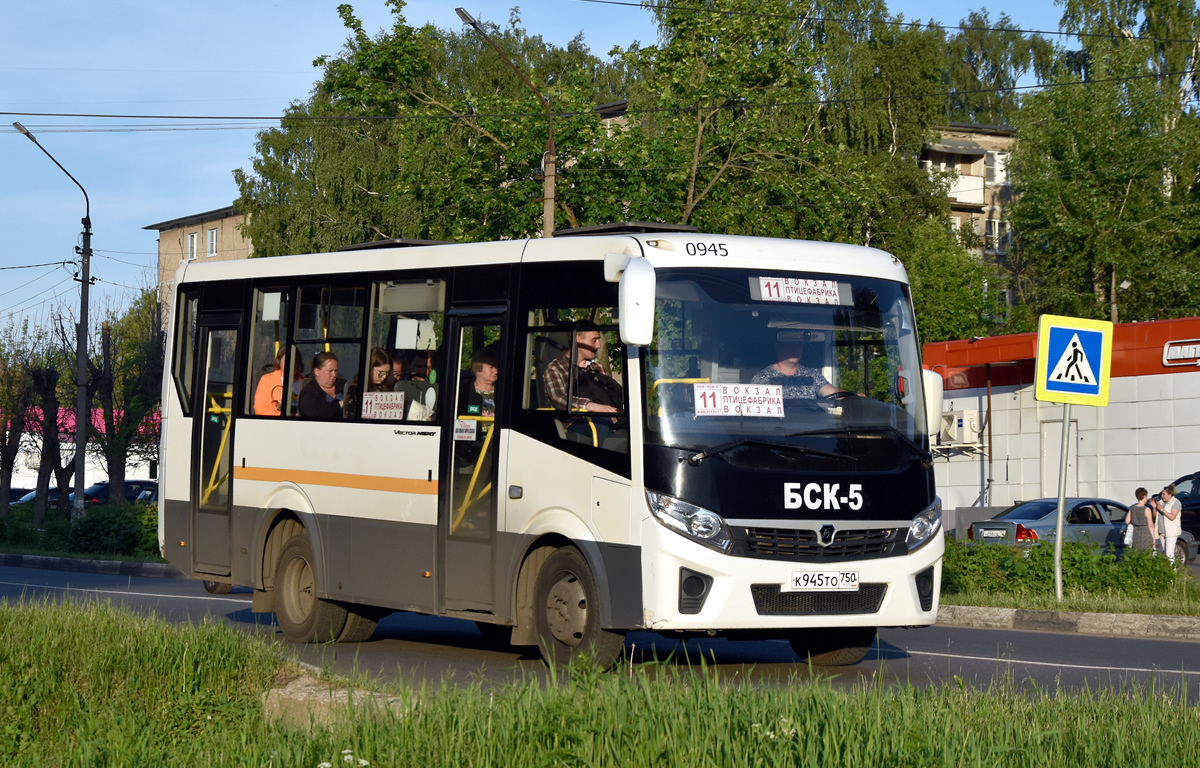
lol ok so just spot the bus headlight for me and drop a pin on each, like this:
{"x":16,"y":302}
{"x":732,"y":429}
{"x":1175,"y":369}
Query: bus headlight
{"x":925,"y":525}
{"x":697,"y":523}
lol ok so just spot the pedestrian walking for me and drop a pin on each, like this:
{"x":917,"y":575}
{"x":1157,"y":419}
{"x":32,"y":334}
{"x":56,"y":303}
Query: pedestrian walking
{"x":1167,"y":511}
{"x":1139,"y":519}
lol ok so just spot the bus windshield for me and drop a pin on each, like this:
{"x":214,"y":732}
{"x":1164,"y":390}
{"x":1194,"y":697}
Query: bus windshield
{"x":790,"y":359}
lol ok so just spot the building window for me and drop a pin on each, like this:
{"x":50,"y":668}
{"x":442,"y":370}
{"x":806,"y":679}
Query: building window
{"x":191,"y":245}
{"x":997,"y":235}
{"x":212,"y":243}
{"x":996,"y":164}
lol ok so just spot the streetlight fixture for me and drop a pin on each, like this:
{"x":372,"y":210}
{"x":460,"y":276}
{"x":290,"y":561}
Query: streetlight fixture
{"x":83,"y":411}
{"x":549,"y":157}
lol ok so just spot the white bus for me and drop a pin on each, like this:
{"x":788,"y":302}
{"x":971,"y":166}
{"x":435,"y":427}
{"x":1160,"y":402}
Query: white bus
{"x":683,"y":433}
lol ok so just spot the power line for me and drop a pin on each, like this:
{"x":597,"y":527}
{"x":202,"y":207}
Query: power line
{"x":735,"y":105}
{"x":31,"y":282}
{"x":889,"y":22}
{"x":34,"y":266}
{"x":14,"y":307}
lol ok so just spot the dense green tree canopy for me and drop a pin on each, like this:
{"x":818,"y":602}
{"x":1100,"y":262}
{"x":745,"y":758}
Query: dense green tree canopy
{"x":769,"y":117}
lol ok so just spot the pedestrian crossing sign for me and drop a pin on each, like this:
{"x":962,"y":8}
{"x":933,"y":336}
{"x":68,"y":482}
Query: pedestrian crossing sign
{"x":1073,"y":360}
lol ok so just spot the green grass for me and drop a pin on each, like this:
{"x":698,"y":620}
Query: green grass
{"x":94,"y":685}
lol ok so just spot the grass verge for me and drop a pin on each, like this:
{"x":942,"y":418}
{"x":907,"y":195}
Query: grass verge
{"x":95,"y":685}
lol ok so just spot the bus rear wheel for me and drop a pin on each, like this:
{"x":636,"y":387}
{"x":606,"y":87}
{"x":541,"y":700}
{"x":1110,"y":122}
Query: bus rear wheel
{"x":361,"y":622}
{"x":217,"y":587}
{"x":567,"y":613}
{"x":832,"y":647}
{"x":303,"y":617}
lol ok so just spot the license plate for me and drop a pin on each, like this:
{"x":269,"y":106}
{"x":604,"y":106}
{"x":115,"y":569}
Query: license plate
{"x":822,"y":581}
{"x":994,"y":534}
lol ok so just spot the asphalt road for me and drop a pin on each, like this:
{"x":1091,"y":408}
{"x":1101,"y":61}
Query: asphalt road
{"x":426,"y":649}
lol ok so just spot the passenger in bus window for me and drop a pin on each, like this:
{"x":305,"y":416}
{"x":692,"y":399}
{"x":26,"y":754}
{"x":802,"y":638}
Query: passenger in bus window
{"x":799,"y":381}
{"x":379,"y":380}
{"x":397,"y":371}
{"x":268,"y":394}
{"x":478,"y":394}
{"x":595,"y":390}
{"x":420,"y":394}
{"x":321,"y":397}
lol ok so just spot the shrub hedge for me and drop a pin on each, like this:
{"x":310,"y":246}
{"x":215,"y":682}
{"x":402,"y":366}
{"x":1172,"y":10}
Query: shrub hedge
{"x":1029,"y":570}
{"x":129,"y":531}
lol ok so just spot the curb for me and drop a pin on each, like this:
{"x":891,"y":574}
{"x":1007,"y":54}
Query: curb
{"x":109,"y":567}
{"x":1184,"y":628}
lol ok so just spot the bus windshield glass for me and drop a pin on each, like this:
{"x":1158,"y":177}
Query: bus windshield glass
{"x":793,"y":359}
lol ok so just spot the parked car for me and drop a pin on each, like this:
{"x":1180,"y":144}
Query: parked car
{"x":98,"y":492}
{"x":1095,"y":520}
{"x":28,"y":498}
{"x":1187,"y":490}
{"x":149,"y":494}
{"x":15,"y":494}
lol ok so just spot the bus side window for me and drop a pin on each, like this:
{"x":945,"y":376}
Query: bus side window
{"x":407,"y":322}
{"x":578,"y":375}
{"x":267,"y":381}
{"x":330,"y":319}
{"x":183,"y":369}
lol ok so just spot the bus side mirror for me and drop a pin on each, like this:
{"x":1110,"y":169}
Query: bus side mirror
{"x":636,"y":302}
{"x":933,"y":401}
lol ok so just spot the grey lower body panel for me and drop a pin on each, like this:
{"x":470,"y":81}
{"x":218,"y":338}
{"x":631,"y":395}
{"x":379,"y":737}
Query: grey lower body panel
{"x":384,"y":563}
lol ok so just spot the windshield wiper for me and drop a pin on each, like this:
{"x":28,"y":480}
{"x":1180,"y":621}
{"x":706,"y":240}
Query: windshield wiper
{"x":925,"y":456}
{"x":700,"y":456}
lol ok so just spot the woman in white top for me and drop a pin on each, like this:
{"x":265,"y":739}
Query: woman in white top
{"x":1169,"y":524}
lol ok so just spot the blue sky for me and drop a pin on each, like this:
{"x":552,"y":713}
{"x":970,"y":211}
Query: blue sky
{"x":252,"y":57}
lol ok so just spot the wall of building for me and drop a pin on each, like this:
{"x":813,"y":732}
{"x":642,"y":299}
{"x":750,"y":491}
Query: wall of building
{"x":173,"y":248}
{"x":1148,"y":435}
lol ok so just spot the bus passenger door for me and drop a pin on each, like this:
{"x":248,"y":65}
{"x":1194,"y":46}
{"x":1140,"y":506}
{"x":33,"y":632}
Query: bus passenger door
{"x":212,"y":451}
{"x":467,"y":523}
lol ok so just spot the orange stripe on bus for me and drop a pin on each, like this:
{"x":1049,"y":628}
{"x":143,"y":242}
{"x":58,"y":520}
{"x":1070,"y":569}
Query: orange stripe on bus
{"x":336,"y":480}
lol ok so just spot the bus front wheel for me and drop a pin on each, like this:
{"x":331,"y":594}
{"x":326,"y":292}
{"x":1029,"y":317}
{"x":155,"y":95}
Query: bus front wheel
{"x":567,"y":613}
{"x":832,"y":647}
{"x":303,"y":617}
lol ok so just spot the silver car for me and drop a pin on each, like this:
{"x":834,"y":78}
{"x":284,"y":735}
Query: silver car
{"x":1099,"y":521}
{"x":1089,"y":519}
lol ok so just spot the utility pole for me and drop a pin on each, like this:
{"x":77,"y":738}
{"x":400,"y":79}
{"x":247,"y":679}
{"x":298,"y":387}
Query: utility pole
{"x":83,"y":411}
{"x":548,"y":159}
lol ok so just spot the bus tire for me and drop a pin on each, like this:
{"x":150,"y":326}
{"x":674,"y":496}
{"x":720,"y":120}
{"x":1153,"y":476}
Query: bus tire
{"x":832,"y":647}
{"x":303,"y":617}
{"x":217,"y":587}
{"x":361,"y":622}
{"x":567,"y":613}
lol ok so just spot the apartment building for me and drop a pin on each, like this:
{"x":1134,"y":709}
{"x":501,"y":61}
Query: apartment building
{"x":982,"y":188}
{"x":210,"y":236}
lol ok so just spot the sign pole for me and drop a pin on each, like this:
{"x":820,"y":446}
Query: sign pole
{"x":1062,"y":502}
{"x":1073,"y":365}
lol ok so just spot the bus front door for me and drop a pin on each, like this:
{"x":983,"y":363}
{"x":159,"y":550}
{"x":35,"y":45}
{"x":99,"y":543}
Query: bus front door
{"x":468,"y":520}
{"x":212,"y":452}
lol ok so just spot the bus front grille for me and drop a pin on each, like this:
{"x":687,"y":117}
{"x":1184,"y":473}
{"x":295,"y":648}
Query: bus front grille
{"x":802,"y":545}
{"x":770,"y":600}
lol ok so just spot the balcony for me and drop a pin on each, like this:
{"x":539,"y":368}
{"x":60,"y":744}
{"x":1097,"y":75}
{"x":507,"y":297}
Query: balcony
{"x":967,"y":189}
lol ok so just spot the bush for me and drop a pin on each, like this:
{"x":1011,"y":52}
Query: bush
{"x":106,"y":530}
{"x":1029,"y":570}
{"x":130,"y":531}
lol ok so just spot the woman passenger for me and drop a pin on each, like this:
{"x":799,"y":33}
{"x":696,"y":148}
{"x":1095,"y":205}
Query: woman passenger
{"x":321,"y":396}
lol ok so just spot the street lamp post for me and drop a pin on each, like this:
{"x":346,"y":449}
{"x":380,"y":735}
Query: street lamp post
{"x":549,"y":157}
{"x":83,"y":412}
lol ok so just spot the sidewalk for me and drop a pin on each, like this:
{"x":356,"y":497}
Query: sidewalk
{"x":1183,"y":628}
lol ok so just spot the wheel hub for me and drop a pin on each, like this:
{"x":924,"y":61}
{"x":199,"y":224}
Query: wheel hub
{"x":566,"y":610}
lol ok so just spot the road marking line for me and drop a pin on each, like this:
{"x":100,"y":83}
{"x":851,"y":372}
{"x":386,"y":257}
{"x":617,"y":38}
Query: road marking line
{"x":117,"y":592}
{"x":1050,"y":663}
